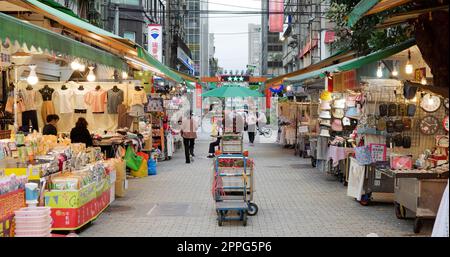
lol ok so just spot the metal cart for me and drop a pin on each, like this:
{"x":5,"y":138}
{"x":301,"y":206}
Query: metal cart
{"x":419,"y":192}
{"x":227,"y":181}
{"x":376,"y":182}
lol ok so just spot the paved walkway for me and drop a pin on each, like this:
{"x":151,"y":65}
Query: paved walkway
{"x":294,"y":199}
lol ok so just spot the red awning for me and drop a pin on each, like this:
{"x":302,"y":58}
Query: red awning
{"x":329,"y":37}
{"x":308,"y":48}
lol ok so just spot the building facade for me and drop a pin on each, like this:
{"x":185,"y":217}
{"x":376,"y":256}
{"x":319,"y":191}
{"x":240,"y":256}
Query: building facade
{"x":272,"y":47}
{"x":197,"y":35}
{"x":254,"y":49}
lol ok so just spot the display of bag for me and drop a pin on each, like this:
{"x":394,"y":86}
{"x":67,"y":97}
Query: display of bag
{"x":132,"y":160}
{"x":381,"y":124}
{"x":406,"y":142}
{"x":351,"y":101}
{"x":401,"y":109}
{"x":407,"y":123}
{"x":411,"y":110}
{"x":383,"y":110}
{"x":409,"y":91}
{"x":392,"y":109}
{"x":363,"y":155}
{"x":398,"y":140}
{"x":336,"y":125}
{"x":390,"y":126}
{"x":398,"y":125}
{"x":353,"y":112}
{"x":142,"y":171}
{"x":338,"y":113}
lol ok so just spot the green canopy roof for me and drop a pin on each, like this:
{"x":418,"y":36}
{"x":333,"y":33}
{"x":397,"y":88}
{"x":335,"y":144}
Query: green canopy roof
{"x":357,"y":62}
{"x":232,"y":91}
{"x":73,"y":20}
{"x":60,"y":7}
{"x":359,"y":10}
{"x":161,"y":67}
{"x":32,"y":35}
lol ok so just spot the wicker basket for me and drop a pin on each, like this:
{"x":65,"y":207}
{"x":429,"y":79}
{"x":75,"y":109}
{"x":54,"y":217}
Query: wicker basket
{"x":11,"y":202}
{"x":5,"y":134}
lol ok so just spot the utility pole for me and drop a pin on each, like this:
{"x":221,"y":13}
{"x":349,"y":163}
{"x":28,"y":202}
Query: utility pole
{"x":116,"y":21}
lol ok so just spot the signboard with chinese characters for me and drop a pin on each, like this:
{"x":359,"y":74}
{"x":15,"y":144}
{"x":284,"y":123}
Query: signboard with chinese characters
{"x":276,"y":9}
{"x":155,"y":41}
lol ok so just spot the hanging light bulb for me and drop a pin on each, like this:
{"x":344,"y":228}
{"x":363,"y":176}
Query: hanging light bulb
{"x":289,"y":88}
{"x":379,"y":71}
{"x":394,"y":70}
{"x":408,"y":66}
{"x":124,"y":75}
{"x":32,"y":77}
{"x":75,"y":65}
{"x":82,"y":68}
{"x":91,"y":75}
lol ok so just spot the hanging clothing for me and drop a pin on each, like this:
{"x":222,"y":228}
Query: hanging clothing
{"x":97,"y":100}
{"x":29,"y":99}
{"x":137,"y":97}
{"x":47,"y":109}
{"x":137,"y":110}
{"x":47,"y":93}
{"x":115,"y":98}
{"x":65,"y":100}
{"x":29,"y":117}
{"x":123,"y":119}
{"x":79,"y":103}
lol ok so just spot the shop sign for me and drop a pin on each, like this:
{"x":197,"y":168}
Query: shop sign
{"x":155,"y":41}
{"x":276,"y":8}
{"x":198,"y":93}
{"x":419,"y":73}
{"x":344,"y":80}
{"x":329,"y":37}
{"x":184,"y":58}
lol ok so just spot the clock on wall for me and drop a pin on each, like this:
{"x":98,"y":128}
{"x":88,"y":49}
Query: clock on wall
{"x":445,"y":123}
{"x":446,"y":103}
{"x":429,"y":125}
{"x":430,"y":103}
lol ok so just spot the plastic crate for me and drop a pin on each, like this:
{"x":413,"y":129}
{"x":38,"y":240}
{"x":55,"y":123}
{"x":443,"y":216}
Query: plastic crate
{"x":11,"y":202}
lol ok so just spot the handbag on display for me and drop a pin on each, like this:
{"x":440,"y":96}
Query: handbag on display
{"x":399,"y":162}
{"x":392,"y":109}
{"x":409,"y":91}
{"x":411,"y":110}
{"x":398,"y":140}
{"x":363,"y":155}
{"x":389,"y":141}
{"x":402,"y":109}
{"x":383,"y":109}
{"x":336,"y":125}
{"x":398,"y":125}
{"x":407,"y":123}
{"x":406,"y":142}
{"x":353,"y":112}
{"x":390,"y":126}
{"x":351,"y":101}
{"x":381,"y":124}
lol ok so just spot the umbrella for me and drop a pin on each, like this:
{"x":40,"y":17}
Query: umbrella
{"x":232,"y":91}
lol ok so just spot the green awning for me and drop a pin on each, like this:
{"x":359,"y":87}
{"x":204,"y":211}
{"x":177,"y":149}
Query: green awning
{"x":232,"y":91}
{"x":357,"y":62}
{"x":59,"y":7}
{"x":161,"y":67}
{"x":359,"y":10}
{"x":73,"y":20}
{"x":32,"y":35}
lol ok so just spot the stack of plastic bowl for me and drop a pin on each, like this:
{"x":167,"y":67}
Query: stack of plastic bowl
{"x":33,"y":222}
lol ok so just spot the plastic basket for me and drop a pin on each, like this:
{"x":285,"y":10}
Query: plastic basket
{"x":23,"y":226}
{"x":11,"y":202}
{"x":33,"y":211}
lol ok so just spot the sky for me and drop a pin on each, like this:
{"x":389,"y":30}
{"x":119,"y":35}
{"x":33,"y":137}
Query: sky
{"x":232,"y":50}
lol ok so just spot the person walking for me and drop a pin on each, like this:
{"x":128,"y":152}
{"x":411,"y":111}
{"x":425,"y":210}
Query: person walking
{"x":251,"y":120}
{"x":189,"y":128}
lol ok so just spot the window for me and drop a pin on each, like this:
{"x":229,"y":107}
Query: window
{"x":128,"y":2}
{"x":131,"y":35}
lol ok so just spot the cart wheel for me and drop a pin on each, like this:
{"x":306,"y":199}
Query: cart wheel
{"x":365,"y":200}
{"x":220,"y":222}
{"x":417,"y":225}
{"x":400,"y":211}
{"x":244,"y":219}
{"x":252,"y":209}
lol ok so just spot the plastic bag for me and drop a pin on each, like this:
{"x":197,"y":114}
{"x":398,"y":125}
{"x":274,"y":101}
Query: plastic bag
{"x":141,"y":172}
{"x":133,"y":161}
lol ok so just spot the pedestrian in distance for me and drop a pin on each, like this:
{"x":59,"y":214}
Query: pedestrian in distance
{"x":189,"y":128}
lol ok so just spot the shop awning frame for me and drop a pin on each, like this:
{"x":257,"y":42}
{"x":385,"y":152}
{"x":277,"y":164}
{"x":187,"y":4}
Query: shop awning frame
{"x":369,"y":7}
{"x":32,"y":35}
{"x":357,"y":62}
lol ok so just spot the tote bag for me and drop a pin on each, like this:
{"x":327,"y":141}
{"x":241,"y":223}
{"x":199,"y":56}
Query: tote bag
{"x":363,"y":155}
{"x":132,"y":160}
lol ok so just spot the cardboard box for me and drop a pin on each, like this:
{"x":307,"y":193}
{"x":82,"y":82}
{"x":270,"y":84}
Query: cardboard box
{"x":120,"y":187}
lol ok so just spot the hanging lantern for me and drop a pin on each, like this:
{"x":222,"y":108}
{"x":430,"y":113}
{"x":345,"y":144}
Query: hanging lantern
{"x":91,"y":75}
{"x":379,"y":71}
{"x":75,"y":65}
{"x":124,"y":75}
{"x":82,"y":68}
{"x":32,"y":77}
{"x":408,"y":66}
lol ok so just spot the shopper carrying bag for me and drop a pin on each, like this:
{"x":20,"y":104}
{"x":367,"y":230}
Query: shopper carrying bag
{"x":189,"y":133}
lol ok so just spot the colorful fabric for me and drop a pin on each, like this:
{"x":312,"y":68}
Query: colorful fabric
{"x":97,"y":100}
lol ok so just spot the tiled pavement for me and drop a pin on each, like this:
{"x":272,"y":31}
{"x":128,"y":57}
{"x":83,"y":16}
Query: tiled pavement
{"x":292,"y":201}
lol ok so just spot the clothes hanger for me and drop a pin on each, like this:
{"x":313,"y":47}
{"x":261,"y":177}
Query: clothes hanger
{"x":81,"y":87}
{"x":98,"y":87}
